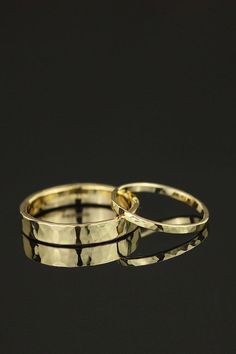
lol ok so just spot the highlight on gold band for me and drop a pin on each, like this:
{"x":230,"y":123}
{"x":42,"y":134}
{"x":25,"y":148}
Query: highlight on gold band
{"x":80,"y":256}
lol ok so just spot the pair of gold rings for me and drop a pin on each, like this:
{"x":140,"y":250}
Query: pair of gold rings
{"x":114,"y":235}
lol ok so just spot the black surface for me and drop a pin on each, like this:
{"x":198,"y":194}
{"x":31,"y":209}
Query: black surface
{"x":114,"y":92}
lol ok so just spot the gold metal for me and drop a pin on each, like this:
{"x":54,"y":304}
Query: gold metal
{"x":80,"y":256}
{"x":132,"y":217}
{"x":78,"y":214}
{"x":68,"y":234}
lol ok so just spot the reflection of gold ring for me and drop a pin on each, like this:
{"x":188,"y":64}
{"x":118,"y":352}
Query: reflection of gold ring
{"x":62,"y":256}
{"x":174,"y":193}
{"x":161,"y":256}
{"x":75,"y":233}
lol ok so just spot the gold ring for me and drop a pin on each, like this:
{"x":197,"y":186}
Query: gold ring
{"x":75,"y":233}
{"x":174,"y":193}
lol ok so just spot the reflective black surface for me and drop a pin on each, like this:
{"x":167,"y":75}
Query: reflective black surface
{"x":116,"y":92}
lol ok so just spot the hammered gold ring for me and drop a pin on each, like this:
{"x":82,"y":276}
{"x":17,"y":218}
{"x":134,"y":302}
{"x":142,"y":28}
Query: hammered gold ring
{"x":132,"y":217}
{"x":75,"y":234}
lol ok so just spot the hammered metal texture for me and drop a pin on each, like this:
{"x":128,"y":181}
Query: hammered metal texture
{"x":80,"y":256}
{"x":157,"y":225}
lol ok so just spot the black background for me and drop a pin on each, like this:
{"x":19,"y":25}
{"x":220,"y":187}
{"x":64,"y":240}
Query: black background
{"x":113,"y":92}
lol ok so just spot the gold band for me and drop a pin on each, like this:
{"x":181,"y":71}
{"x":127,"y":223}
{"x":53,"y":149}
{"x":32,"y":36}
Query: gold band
{"x":167,"y":254}
{"x":174,"y":193}
{"x":75,"y":233}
